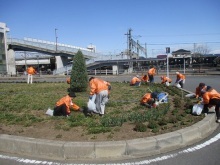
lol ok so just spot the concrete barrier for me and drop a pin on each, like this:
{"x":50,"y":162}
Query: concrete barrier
{"x":60,"y":150}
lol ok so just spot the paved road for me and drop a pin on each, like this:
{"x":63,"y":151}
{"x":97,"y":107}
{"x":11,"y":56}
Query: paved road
{"x":191,"y":83}
{"x":202,"y":153}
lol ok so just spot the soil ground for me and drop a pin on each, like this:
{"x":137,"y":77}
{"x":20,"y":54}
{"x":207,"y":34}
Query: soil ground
{"x":46,"y":130}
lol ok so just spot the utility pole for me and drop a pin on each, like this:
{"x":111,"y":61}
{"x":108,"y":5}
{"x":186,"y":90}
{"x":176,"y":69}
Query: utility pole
{"x":146,"y":50}
{"x":129,"y":42}
{"x":167,"y":52}
{"x":56,"y":37}
{"x":25,"y":60}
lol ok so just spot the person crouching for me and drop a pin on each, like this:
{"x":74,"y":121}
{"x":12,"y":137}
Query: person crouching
{"x":64,"y":105}
{"x":149,"y":100}
{"x":135,"y":81}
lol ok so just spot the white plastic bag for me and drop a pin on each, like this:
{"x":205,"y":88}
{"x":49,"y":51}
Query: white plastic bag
{"x":197,"y":109}
{"x":177,"y":85}
{"x":49,"y":112}
{"x":190,"y":95}
{"x":91,"y":104}
{"x":167,"y":84}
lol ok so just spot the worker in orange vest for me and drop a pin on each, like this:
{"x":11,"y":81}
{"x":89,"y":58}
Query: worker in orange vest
{"x":151,"y":74}
{"x":165,"y":80}
{"x":30,"y":71}
{"x":64,"y":105}
{"x":180,"y":79}
{"x":212,"y":98}
{"x":135,"y":81}
{"x":149,"y":99}
{"x":68,"y":80}
{"x":100,"y":90}
{"x":145,"y":78}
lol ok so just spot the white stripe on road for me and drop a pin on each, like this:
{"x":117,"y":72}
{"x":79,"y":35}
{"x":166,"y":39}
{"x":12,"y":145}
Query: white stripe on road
{"x":188,"y":150}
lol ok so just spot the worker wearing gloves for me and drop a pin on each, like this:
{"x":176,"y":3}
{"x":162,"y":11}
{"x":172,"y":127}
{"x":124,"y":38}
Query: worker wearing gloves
{"x":99,"y":89}
{"x":149,"y":100}
{"x":135,"y":81}
{"x":211,"y":98}
{"x":64,"y":105}
{"x":180,"y":79}
{"x":165,"y":80}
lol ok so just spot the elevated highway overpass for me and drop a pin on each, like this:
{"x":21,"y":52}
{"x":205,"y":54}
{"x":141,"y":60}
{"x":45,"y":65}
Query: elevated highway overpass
{"x":47,"y":47}
{"x":63,"y":53}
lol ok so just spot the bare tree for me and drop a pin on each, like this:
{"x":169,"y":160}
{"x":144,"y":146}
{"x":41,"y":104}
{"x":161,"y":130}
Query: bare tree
{"x":202,"y":49}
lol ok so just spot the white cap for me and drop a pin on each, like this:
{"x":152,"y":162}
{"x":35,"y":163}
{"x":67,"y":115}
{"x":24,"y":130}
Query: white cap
{"x":177,"y":72}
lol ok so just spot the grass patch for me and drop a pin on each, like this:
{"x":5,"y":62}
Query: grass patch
{"x":25,"y":105}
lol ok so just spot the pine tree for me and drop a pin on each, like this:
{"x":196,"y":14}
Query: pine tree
{"x":79,"y":75}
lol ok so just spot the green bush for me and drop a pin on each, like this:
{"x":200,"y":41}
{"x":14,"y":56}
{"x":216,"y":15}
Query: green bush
{"x":140,"y":127}
{"x":79,"y":75}
{"x":152,"y":124}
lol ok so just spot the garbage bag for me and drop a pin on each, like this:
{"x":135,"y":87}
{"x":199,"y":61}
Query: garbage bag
{"x":197,"y":109}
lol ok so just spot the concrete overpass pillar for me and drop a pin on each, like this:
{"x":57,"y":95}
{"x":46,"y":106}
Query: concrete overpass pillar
{"x":61,"y":61}
{"x":115,"y":69}
{"x":11,"y":62}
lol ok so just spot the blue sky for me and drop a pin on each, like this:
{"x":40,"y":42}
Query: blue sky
{"x":104,"y":23}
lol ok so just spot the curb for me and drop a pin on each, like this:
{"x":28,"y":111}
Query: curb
{"x":127,"y":149}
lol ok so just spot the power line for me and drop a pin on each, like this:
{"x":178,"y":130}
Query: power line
{"x":184,"y":43}
{"x":168,"y":35}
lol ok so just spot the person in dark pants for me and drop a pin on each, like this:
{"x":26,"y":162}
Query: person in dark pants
{"x":180,"y":79}
{"x":64,"y":105}
{"x":135,"y":81}
{"x":212,"y":98}
{"x":149,"y":99}
{"x":151,"y":73}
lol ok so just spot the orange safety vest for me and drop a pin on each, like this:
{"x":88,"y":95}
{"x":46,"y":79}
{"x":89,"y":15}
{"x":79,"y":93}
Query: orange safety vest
{"x":134,"y":80}
{"x":166,"y":79}
{"x":208,"y":95}
{"x":67,"y":100}
{"x":145,"y":78}
{"x":31,"y":70}
{"x":145,"y":98}
{"x":152,"y":71}
{"x":97,"y":85}
{"x":68,"y":80}
{"x":180,"y":76}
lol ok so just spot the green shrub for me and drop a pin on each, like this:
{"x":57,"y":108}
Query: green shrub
{"x":79,"y":75}
{"x":97,"y":130}
{"x":140,"y":127}
{"x":152,"y":124}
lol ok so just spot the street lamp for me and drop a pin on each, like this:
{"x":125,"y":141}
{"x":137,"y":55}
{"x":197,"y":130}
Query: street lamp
{"x":184,"y":64}
{"x":56,"y":37}
{"x":167,"y":52}
{"x":38,"y":65}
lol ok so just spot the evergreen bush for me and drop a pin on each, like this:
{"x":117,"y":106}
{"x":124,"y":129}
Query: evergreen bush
{"x":79,"y":75}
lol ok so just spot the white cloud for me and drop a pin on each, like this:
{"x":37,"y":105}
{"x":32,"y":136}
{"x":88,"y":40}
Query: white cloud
{"x":215,"y":51}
